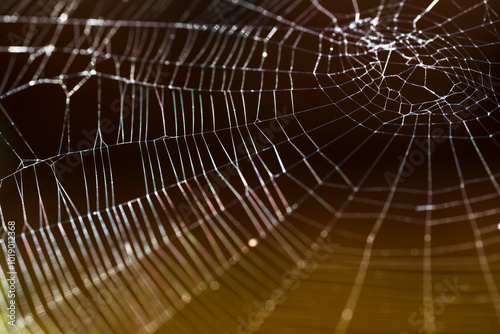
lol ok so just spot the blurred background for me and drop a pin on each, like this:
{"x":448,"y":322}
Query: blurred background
{"x":251,"y":166}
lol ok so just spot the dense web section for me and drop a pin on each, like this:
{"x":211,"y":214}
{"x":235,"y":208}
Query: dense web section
{"x":180,"y":166}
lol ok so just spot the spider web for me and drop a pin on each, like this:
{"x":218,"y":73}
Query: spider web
{"x":178,"y":166}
